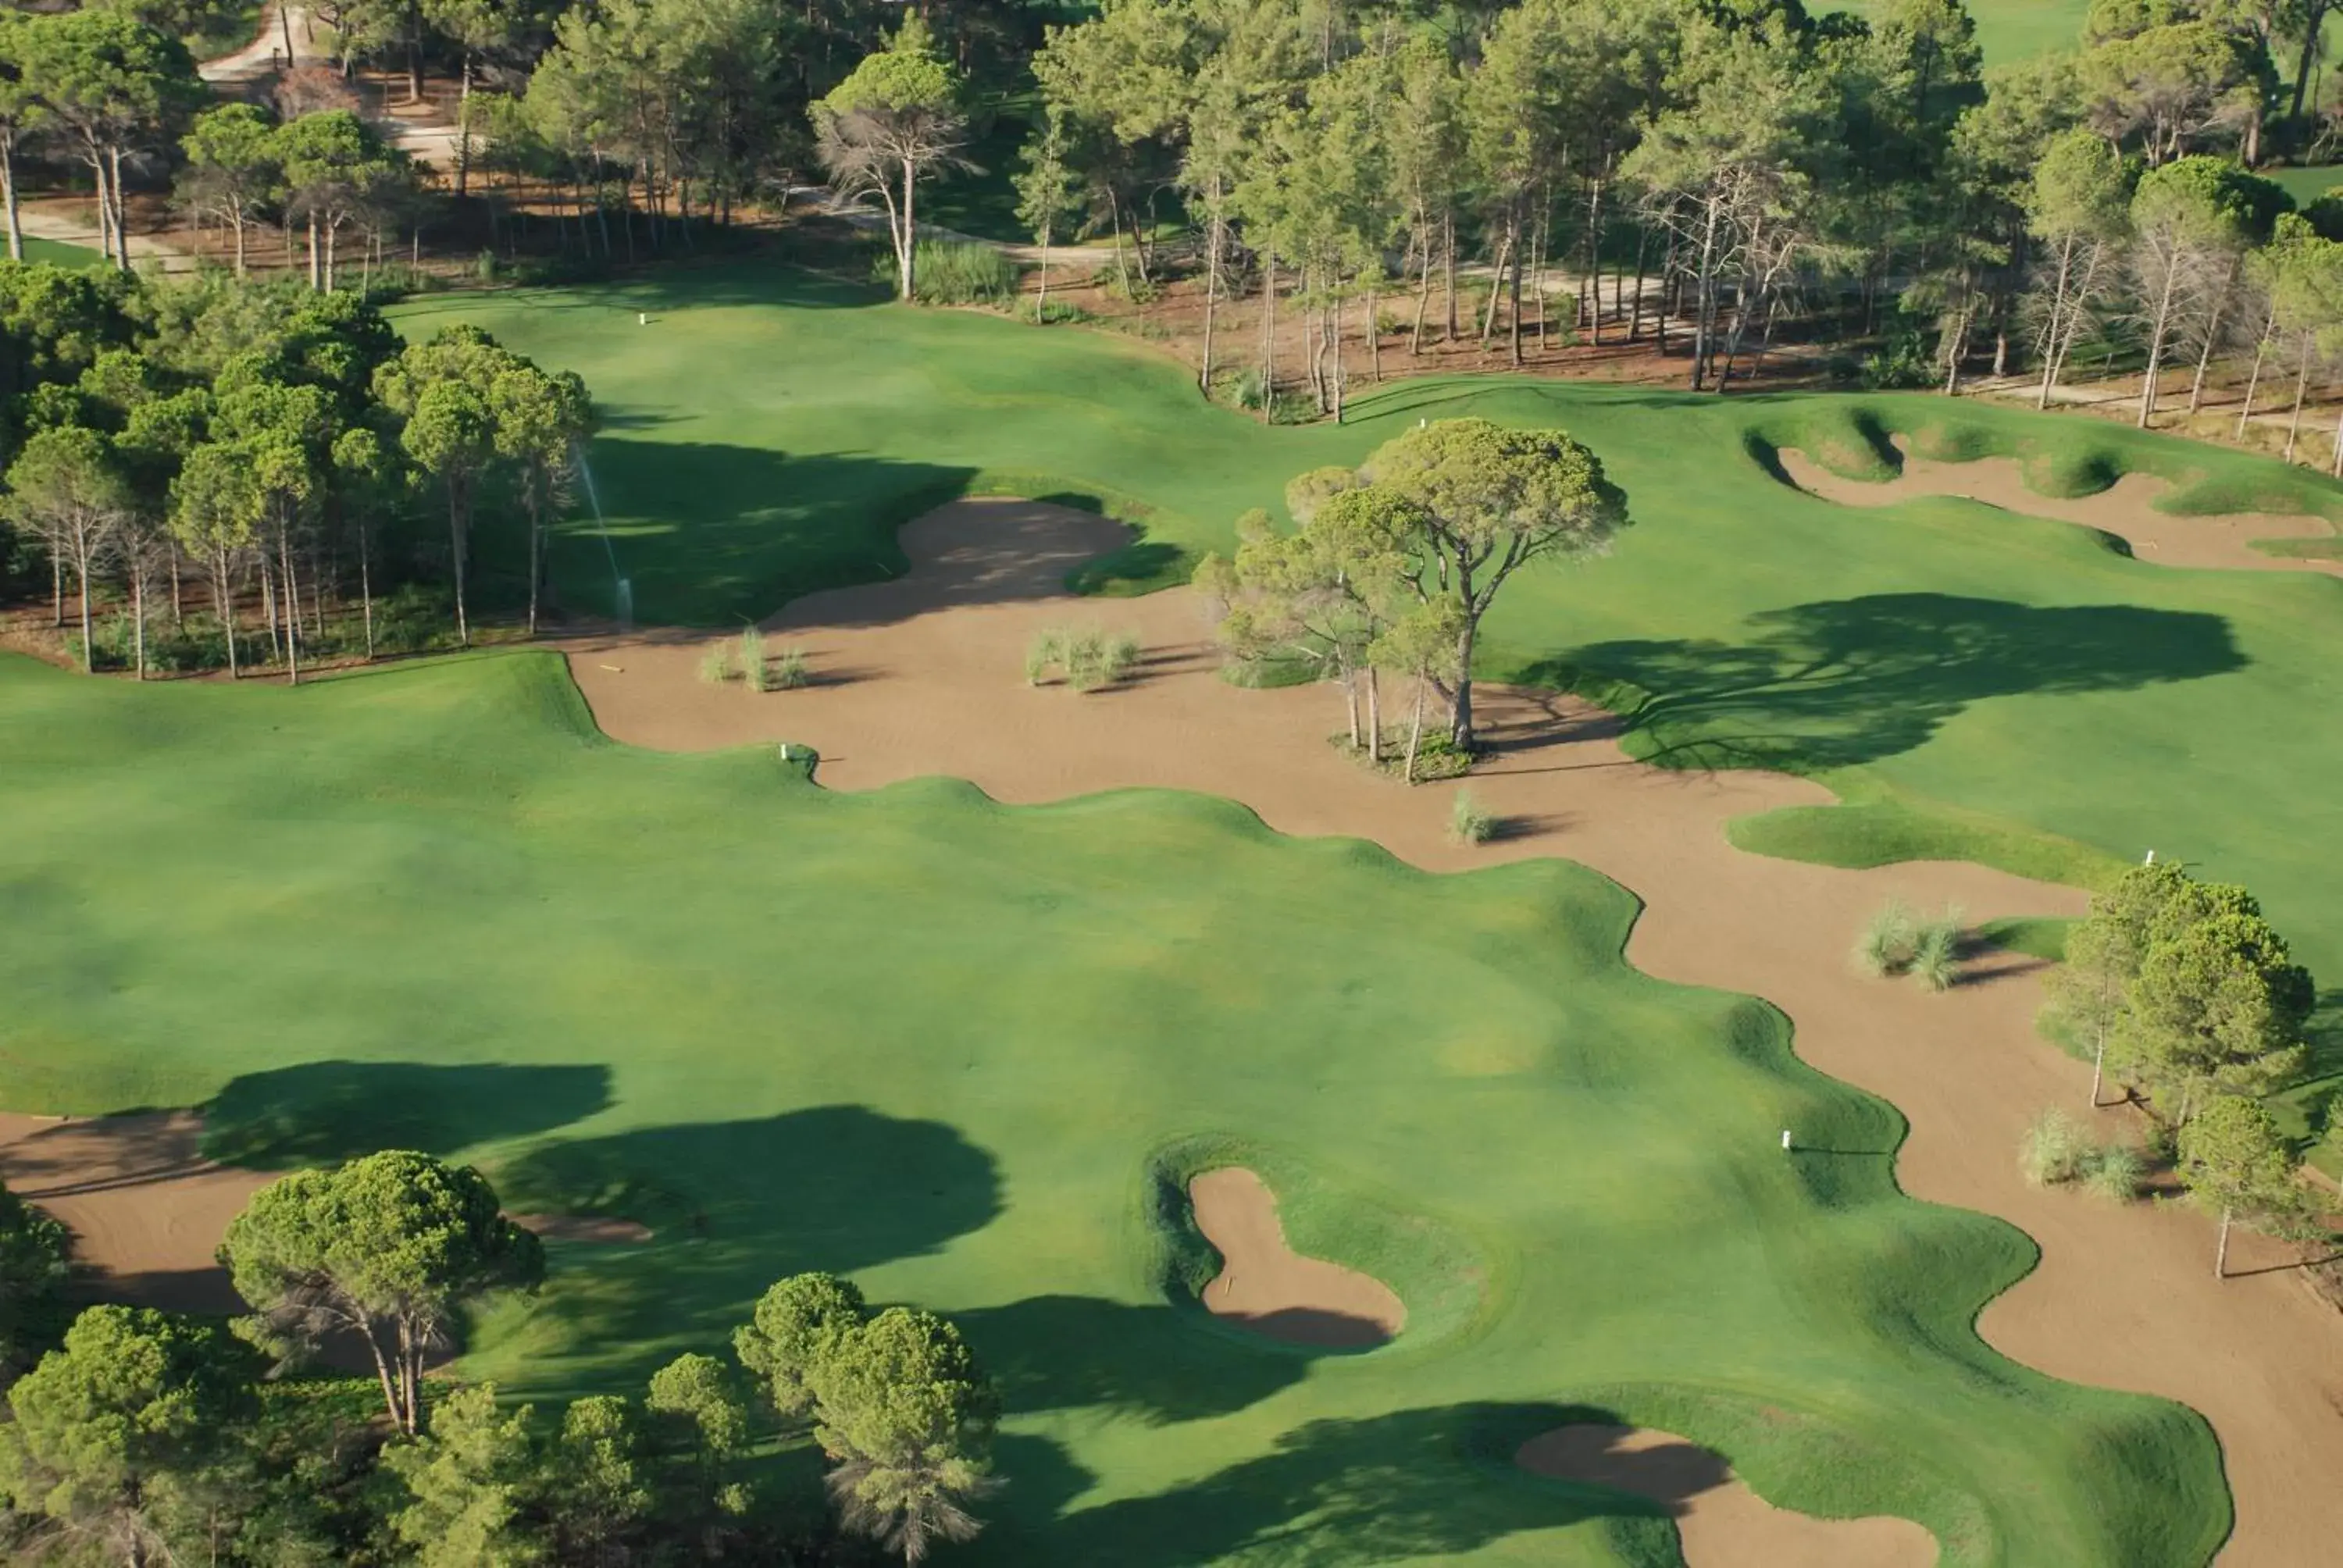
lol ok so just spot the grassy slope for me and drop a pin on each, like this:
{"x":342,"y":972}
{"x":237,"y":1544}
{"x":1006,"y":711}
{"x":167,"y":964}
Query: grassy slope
{"x":934,"y":1041}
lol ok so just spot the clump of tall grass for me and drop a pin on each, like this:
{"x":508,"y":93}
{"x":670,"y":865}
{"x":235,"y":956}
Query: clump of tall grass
{"x":1898,"y":940}
{"x":753,"y":672}
{"x":1086,"y":658}
{"x":788,"y":671}
{"x":716,"y":665}
{"x":1889,"y":941}
{"x":2055,"y":1150}
{"x":953,"y":272}
{"x":1469,"y":821}
{"x":2116,"y":1171}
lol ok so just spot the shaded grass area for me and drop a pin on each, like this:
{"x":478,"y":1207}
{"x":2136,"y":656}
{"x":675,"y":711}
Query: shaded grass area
{"x":1976,"y":683}
{"x":946,"y":1046}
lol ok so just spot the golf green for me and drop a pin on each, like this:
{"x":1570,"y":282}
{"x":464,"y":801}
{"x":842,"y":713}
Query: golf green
{"x":963,"y":1050}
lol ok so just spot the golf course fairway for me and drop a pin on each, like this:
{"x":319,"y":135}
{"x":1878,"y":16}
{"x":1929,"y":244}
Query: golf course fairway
{"x":962,"y":1050}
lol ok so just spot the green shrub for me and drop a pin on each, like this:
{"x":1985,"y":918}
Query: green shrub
{"x":1469,"y":821}
{"x":788,"y":672}
{"x":2054,"y":1150}
{"x":485,"y":266}
{"x":753,"y":673}
{"x":716,"y":665}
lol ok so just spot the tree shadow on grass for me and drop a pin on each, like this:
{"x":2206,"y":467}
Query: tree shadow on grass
{"x":1417,"y":1483}
{"x":732,"y":1207}
{"x":1850,"y":681}
{"x":714,"y":535}
{"x":1161,"y":1361}
{"x":323,"y":1112}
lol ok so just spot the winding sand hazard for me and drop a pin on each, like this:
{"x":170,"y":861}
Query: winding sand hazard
{"x":1723,"y":1523}
{"x":1267,"y":1287}
{"x":922,"y":676}
{"x":2125,"y":510}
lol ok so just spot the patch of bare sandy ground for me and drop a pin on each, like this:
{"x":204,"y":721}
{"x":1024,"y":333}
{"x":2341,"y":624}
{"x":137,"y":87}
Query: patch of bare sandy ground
{"x":923,"y":676}
{"x":2125,"y":510}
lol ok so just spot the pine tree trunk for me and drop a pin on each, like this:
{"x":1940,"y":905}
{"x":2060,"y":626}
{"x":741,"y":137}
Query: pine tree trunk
{"x":1448,"y":226}
{"x":1214,"y":242}
{"x":365,"y":589}
{"x":8,"y":196}
{"x":2301,"y":381}
{"x":2159,"y":325}
{"x":121,"y":211}
{"x":2221,"y":1249}
{"x":1416,"y":728}
{"x":2254,"y":379}
{"x":1375,"y":718}
{"x":224,"y":597}
{"x":292,"y":597}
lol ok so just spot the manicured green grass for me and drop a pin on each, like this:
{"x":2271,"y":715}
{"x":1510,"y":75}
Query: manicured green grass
{"x":57,"y":253}
{"x":2308,"y":185}
{"x":2007,"y":30}
{"x":957,"y":1048}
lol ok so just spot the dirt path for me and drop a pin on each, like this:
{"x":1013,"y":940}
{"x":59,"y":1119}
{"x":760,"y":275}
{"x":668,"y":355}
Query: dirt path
{"x":922,"y":676}
{"x":1267,"y":1287}
{"x":2125,"y":510}
{"x":1723,"y":1523}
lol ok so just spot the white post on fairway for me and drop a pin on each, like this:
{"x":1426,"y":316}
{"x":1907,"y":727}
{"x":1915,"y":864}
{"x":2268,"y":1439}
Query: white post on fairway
{"x":2151,"y":859}
{"x":642,"y":319}
{"x":1786,"y":1140}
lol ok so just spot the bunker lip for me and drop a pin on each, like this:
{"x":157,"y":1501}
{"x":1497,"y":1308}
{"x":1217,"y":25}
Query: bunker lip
{"x":2222,"y":541}
{"x":1724,"y":1524}
{"x":1268,"y":1288}
{"x":926,"y":682}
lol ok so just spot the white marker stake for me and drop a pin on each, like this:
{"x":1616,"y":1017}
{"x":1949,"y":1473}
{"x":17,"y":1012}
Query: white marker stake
{"x":2151,"y":859}
{"x":642,"y":319}
{"x":1786,"y":1140}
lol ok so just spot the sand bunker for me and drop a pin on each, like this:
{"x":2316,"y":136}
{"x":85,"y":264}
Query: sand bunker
{"x":147,"y":1209}
{"x":924,"y":676}
{"x":2125,"y":510}
{"x":1267,"y":1287}
{"x":1722,"y":1522}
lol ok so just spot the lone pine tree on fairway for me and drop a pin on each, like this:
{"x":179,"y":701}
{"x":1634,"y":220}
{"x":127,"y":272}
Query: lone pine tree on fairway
{"x":388,"y":1246}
